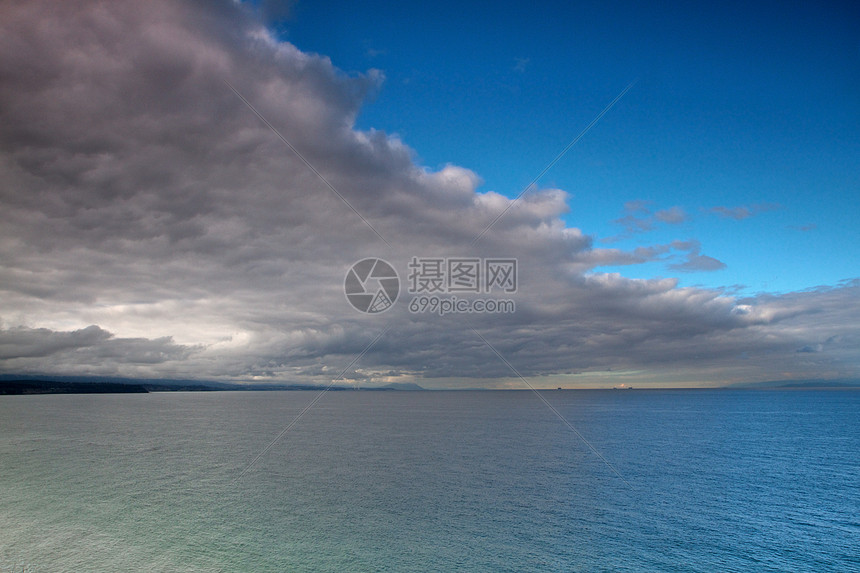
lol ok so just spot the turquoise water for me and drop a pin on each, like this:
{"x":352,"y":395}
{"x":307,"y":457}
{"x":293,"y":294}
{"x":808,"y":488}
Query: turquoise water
{"x":431,"y":481}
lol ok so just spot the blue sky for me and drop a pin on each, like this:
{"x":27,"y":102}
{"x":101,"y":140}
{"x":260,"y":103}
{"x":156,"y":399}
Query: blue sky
{"x":752,"y":108}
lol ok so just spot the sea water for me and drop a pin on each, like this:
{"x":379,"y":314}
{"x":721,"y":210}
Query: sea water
{"x":707,"y":480}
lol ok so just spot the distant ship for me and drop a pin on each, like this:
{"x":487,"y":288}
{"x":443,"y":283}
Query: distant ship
{"x":622,"y":387}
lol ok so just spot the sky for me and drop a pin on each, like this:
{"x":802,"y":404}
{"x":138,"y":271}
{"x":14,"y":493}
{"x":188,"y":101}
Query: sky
{"x":740,"y":112}
{"x":186,"y":185}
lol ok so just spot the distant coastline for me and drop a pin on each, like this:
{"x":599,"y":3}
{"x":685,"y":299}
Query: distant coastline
{"x":22,"y":385}
{"x":74,"y":385}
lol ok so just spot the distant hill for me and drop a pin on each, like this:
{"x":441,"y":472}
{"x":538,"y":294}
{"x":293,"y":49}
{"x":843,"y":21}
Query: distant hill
{"x":408,"y":386}
{"x":10,"y":384}
{"x":20,"y":387}
{"x":840,"y":383}
{"x":157,"y":384}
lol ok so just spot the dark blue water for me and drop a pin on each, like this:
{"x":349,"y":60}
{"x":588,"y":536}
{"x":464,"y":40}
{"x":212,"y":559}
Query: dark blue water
{"x":718,"y":480}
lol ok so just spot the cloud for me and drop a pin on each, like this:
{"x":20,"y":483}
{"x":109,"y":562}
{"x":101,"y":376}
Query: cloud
{"x":804,"y":228}
{"x":696,"y":263}
{"x":736,"y":213}
{"x":90,"y":350}
{"x":152,"y":225}
{"x":694,"y":260}
{"x":276,"y":9}
{"x":638,"y":218}
{"x":743,"y":212}
{"x":672,"y":216}
{"x":599,"y":257}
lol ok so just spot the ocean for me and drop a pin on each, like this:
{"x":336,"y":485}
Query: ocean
{"x":707,"y":480}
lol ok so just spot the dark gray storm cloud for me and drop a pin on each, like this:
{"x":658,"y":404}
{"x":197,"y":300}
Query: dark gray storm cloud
{"x":152,"y":225}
